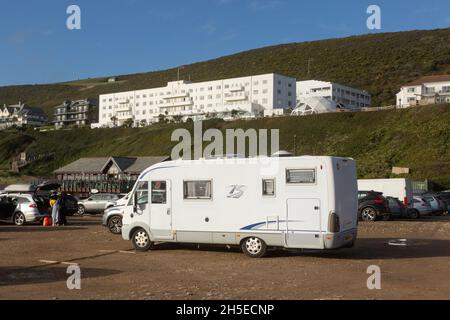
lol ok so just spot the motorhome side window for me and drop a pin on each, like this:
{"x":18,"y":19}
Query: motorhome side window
{"x":197,"y":189}
{"x":159,"y":192}
{"x":301,"y":176}
{"x":142,"y":193}
{"x":268,"y":187}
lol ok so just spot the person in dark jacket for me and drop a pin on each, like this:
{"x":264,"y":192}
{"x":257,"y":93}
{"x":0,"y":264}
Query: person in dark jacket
{"x":63,"y":208}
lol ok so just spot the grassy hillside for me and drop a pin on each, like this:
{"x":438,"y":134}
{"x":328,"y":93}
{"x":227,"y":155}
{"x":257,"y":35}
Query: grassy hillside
{"x":379,"y":63}
{"x":418,"y":138}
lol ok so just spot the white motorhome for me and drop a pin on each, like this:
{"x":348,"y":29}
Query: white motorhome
{"x":396,"y":188}
{"x":286,"y":202}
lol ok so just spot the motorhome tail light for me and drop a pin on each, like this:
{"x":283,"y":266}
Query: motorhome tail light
{"x":334,"y":224}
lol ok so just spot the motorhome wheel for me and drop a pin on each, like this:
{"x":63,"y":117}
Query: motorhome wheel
{"x":254,"y":247}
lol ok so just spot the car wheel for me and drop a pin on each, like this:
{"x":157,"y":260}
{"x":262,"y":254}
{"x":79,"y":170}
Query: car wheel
{"x":414,"y":214}
{"x":369,"y":214}
{"x":141,"y":240}
{"x":115,"y":224}
{"x":254,"y":247}
{"x":19,"y":219}
{"x":81,"y":210}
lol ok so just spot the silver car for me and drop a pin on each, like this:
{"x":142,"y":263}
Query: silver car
{"x":421,"y":208}
{"x":28,"y":209}
{"x":96,"y":203}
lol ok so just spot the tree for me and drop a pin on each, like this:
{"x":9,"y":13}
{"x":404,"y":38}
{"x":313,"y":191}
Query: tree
{"x":128,"y":123}
{"x":177,"y":118}
{"x":143,"y":123}
{"x":162,"y":118}
{"x":114,"y":121}
{"x":234,"y":113}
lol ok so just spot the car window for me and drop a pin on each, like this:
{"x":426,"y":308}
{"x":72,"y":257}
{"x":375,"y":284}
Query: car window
{"x":21,"y":200}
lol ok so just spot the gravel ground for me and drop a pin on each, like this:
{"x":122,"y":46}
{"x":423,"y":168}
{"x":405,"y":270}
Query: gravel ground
{"x":34,"y":261}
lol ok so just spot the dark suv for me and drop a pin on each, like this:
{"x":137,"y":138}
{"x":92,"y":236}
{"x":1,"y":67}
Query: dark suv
{"x":372,"y":206}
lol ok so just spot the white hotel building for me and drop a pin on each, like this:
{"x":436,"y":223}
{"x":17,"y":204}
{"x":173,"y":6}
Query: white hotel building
{"x":250,"y":96}
{"x":425,"y":91}
{"x":343,"y":96}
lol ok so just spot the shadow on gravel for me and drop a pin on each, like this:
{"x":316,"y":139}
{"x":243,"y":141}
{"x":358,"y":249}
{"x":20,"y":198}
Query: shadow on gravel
{"x":13,"y":276}
{"x":379,"y":249}
{"x":36,"y":228}
{"x":365,"y":249}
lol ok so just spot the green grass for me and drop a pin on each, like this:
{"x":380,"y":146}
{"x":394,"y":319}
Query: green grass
{"x":417,"y":138}
{"x":379,"y":63}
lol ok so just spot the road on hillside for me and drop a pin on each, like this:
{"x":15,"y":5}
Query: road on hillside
{"x":34,"y":261}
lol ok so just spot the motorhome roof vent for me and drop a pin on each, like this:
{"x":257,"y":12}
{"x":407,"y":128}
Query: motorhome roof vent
{"x":282,"y":154}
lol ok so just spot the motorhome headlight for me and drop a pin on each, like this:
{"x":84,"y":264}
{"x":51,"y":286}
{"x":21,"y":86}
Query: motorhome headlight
{"x":334,"y":224}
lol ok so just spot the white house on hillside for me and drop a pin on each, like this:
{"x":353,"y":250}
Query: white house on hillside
{"x":343,"y":96}
{"x":247,"y":97}
{"x":22,"y":114}
{"x":424,"y":91}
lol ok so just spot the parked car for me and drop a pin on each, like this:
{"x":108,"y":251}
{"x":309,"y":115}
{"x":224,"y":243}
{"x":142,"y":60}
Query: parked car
{"x":71,"y":205}
{"x":438,"y":205}
{"x":421,"y":208}
{"x":397,"y":208}
{"x":28,"y":209}
{"x":372,"y":206}
{"x":123,"y":199}
{"x":96,"y":203}
{"x":445,"y":195}
{"x":112,"y":219}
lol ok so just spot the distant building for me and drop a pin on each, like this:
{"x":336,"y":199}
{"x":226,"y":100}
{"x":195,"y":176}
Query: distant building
{"x":76,"y":113}
{"x":425,"y":91}
{"x":345,"y":97}
{"x":112,"y":79}
{"x":106,"y":174}
{"x":22,"y":115}
{"x":250,"y":96}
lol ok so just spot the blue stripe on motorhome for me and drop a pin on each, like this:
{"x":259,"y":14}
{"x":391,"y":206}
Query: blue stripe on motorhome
{"x":260,"y":224}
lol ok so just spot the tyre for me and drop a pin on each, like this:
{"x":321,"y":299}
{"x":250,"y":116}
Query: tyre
{"x":19,"y":219}
{"x":414,"y":214}
{"x":141,"y":240}
{"x":81,"y":210}
{"x":254,"y":247}
{"x":369,"y":214}
{"x":115,"y":224}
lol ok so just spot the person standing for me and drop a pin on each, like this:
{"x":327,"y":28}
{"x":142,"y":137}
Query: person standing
{"x":63,"y":209}
{"x":56,"y":217}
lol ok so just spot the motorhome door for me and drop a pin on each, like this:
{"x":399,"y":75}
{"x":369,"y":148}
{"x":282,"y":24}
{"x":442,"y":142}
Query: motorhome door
{"x":161,"y":209}
{"x":303,"y":224}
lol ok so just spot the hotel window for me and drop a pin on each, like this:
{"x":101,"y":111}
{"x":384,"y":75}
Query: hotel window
{"x":197,"y":190}
{"x":265,"y":91}
{"x":227,"y":86}
{"x":264,"y":82}
{"x":138,"y":96}
{"x":264,"y":101}
{"x":210,"y":88}
{"x":255,"y":83}
{"x":268,"y":187}
{"x":219,"y":87}
{"x":255,"y":92}
{"x":210,"y":97}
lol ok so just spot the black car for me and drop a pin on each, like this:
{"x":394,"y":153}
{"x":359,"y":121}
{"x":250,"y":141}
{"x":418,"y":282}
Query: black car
{"x":372,"y":206}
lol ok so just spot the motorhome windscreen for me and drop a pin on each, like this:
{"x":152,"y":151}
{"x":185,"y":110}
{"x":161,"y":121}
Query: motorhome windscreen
{"x":142,"y":193}
{"x":159,"y":192}
{"x":197,"y":190}
{"x":301,"y":176}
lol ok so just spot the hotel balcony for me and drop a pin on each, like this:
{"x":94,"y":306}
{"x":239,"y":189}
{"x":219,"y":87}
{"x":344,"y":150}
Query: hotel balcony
{"x":170,"y":104}
{"x":236,"y":89}
{"x":229,"y":97}
{"x":123,"y":108}
{"x":176,"y":95}
{"x":124,"y":116}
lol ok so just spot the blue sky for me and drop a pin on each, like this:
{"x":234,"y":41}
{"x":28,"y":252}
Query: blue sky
{"x":130,"y":36}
